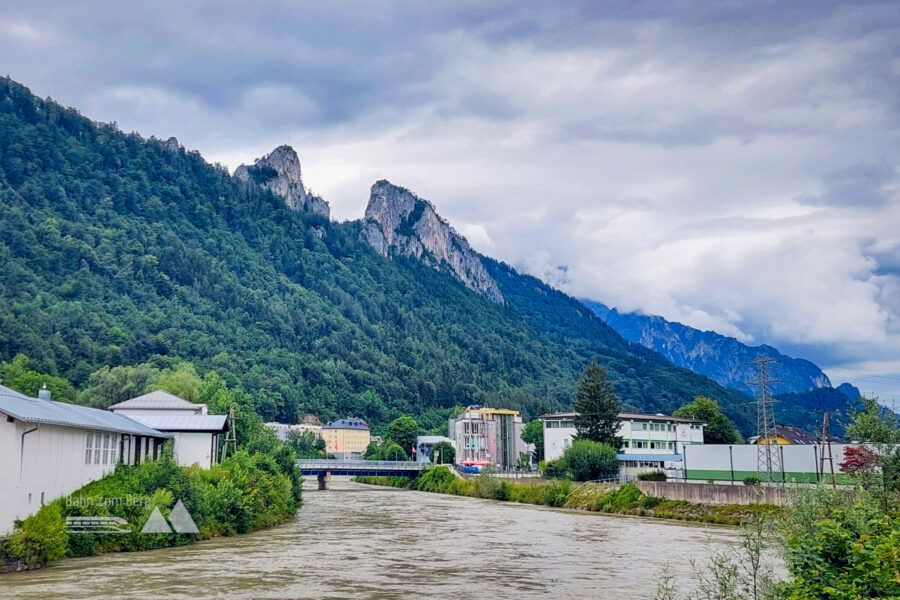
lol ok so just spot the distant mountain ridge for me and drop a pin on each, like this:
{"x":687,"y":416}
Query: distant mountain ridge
{"x":721,"y":358}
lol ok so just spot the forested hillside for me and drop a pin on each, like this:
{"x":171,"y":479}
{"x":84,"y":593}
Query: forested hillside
{"x":116,"y":249}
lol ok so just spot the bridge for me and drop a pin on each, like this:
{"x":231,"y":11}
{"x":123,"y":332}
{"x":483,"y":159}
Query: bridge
{"x":323,"y":469}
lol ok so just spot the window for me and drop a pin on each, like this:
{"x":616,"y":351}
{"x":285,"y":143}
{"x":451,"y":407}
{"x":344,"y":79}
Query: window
{"x":113,"y":449}
{"x":105,"y":449}
{"x":638,"y":426}
{"x":640,"y":444}
{"x":89,"y":448}
{"x":625,"y":444}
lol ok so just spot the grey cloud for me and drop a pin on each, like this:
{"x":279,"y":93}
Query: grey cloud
{"x":696,"y":159}
{"x":864,"y":185}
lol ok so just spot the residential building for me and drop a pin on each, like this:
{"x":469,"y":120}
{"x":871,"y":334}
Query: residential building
{"x":488,"y":436}
{"x":424,"y":444}
{"x":786,"y":435}
{"x":648,"y":441}
{"x":283,"y":430}
{"x":49,"y":449}
{"x":346,"y":438}
{"x":195,"y":432}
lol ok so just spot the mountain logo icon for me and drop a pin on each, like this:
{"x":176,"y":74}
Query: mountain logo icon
{"x":181,"y":520}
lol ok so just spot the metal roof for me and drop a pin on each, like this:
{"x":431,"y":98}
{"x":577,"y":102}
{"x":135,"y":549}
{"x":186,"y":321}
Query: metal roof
{"x":183,"y":422}
{"x":627,"y":417}
{"x":34,"y":410}
{"x":351,"y":423}
{"x":157,"y":400}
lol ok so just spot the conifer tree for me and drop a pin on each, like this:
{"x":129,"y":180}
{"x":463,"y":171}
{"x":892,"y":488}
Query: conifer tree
{"x":597,"y":408}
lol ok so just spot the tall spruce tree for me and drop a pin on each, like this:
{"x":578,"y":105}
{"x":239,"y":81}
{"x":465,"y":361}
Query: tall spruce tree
{"x":597,"y":408}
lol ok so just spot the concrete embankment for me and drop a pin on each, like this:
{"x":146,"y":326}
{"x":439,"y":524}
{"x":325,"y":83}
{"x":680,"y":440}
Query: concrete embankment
{"x":710,"y":493}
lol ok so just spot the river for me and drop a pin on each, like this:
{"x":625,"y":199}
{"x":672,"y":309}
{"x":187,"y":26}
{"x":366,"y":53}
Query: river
{"x":357,"y":541}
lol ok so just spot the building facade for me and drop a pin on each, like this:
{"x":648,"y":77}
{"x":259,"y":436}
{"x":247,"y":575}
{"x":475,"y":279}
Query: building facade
{"x":346,"y":438}
{"x":424,"y":444}
{"x":50,"y":449}
{"x":195,"y":432}
{"x":648,"y":441}
{"x":283,"y":430}
{"x":488,"y":436}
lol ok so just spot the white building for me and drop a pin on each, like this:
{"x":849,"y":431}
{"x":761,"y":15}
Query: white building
{"x":648,"y":441}
{"x":424,"y":444}
{"x":49,"y":449}
{"x":283,"y":430}
{"x":194,"y":431}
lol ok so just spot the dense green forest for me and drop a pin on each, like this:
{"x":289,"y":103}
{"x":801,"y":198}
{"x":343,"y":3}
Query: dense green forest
{"x":118,"y":251}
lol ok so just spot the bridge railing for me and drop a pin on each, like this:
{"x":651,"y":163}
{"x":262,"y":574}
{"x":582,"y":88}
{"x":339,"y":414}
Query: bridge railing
{"x":368,"y":465}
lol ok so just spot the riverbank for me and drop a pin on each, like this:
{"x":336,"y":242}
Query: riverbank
{"x":624,"y":499}
{"x":441,"y":546}
{"x":160,"y":504}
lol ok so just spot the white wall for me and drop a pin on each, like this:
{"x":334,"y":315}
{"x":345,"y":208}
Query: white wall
{"x":193,"y":448}
{"x":52,"y":465}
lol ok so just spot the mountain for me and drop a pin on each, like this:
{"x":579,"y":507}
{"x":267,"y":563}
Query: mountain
{"x":279,"y":172}
{"x":723,"y":359}
{"x":118,"y":250}
{"x":398,"y":222}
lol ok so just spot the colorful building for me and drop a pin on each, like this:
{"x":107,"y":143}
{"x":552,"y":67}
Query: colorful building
{"x":346,"y":438}
{"x":488,"y":436}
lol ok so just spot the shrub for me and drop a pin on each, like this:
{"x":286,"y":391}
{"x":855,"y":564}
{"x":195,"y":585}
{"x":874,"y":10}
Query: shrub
{"x":652,"y":476}
{"x":435,"y":479}
{"x":42,"y":538}
{"x":244,"y":493}
{"x":551,"y":468}
{"x":558,"y":493}
{"x":585,"y":460}
{"x":751,"y":480}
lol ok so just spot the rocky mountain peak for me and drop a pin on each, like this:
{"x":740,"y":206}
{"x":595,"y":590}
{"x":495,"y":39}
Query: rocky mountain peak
{"x":279,"y":172}
{"x":398,"y":222}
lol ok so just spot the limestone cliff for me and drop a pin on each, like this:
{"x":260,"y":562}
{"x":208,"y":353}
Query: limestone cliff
{"x":279,"y":172}
{"x":398,"y":222}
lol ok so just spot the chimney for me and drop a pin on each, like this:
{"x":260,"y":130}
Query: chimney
{"x":44,"y":393}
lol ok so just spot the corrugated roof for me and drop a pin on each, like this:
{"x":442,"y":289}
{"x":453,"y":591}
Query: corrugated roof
{"x":33,"y":410}
{"x":183,"y":422}
{"x":626,"y":416}
{"x":157,"y":400}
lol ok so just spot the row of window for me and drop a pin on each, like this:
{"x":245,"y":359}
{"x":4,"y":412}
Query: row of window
{"x":635,"y":425}
{"x":101,"y":449}
{"x":651,"y":445}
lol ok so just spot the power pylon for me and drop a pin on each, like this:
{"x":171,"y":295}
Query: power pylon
{"x":768,"y":460}
{"x":826,"y":450}
{"x":230,"y":437}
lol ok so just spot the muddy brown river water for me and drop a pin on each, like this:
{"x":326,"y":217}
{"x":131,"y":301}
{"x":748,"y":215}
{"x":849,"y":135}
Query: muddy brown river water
{"x":357,"y":541}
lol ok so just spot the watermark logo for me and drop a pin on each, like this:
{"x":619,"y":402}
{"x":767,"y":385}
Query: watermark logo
{"x":180,"y":520}
{"x":97,"y":525}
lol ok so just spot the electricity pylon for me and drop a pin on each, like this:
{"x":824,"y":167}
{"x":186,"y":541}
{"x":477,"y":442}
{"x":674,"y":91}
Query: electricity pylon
{"x":768,"y":459}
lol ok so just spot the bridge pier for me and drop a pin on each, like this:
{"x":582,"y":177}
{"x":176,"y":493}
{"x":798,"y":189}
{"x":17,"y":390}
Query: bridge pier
{"x":323,"y":479}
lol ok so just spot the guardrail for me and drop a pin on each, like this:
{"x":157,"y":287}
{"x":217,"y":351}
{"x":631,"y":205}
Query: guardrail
{"x":365,"y":465}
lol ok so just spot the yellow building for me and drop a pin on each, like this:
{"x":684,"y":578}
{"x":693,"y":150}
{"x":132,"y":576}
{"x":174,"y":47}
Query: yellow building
{"x":346,"y":438}
{"x":786,"y":435}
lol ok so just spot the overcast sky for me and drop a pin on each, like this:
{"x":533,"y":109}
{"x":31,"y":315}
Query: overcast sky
{"x":733,"y":166}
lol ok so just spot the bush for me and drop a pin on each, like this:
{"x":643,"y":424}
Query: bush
{"x":435,"y":479}
{"x":42,"y":538}
{"x":652,"y":476}
{"x":585,"y":460}
{"x":751,"y":480}
{"x":244,"y":493}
